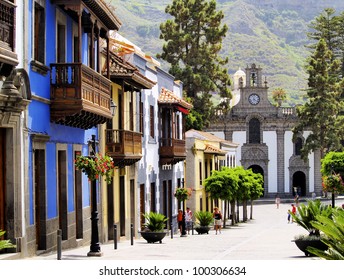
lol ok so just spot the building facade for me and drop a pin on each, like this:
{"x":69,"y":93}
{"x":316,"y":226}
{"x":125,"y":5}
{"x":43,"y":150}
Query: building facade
{"x":205,"y":152}
{"x":264,"y":134}
{"x":152,"y":111}
{"x":59,"y":99}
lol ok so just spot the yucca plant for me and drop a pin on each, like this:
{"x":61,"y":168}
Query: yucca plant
{"x":5,"y":244}
{"x":155,"y":221}
{"x":333,"y":229}
{"x":204,"y":218}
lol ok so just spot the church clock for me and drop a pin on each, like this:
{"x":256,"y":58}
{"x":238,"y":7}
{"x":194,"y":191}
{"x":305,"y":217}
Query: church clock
{"x":254,"y":99}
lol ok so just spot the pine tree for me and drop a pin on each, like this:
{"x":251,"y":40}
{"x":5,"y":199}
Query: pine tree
{"x":320,"y":114}
{"x":341,"y":42}
{"x":193,"y":41}
{"x":330,"y":27}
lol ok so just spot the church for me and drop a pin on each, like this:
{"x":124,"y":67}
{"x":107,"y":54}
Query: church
{"x":263,"y":131}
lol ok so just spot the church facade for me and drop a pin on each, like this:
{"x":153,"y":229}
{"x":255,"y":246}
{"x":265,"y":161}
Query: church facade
{"x":264,"y":133}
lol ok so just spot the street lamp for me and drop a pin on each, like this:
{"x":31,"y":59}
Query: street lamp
{"x":113,"y":108}
{"x":94,"y":248}
{"x":183,"y":224}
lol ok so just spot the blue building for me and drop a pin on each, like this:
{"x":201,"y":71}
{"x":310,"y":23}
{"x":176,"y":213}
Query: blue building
{"x":63,"y":98}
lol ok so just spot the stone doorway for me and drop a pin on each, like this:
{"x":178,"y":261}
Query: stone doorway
{"x":299,"y":184}
{"x":258,"y":169}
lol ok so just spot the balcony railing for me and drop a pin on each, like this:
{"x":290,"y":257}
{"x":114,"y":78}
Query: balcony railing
{"x":80,"y":96}
{"x":172,"y":151}
{"x":8,"y":58}
{"x":124,"y":146}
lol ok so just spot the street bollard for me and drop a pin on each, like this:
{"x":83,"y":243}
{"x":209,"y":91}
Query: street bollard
{"x":132,"y":234}
{"x":115,"y":236}
{"x":59,"y":244}
{"x":171,"y":231}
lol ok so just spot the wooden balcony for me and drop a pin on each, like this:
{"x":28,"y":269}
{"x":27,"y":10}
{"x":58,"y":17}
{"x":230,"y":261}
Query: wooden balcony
{"x":172,"y":151}
{"x":8,"y":57}
{"x":80,"y":97}
{"x":124,"y":146}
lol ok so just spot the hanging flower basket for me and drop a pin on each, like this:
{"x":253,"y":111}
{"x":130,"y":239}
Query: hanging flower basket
{"x":333,"y":183}
{"x":182,"y":194}
{"x":95,"y":166}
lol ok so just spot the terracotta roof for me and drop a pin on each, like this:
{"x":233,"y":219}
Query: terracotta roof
{"x":122,"y":70}
{"x":209,"y":136}
{"x":168,"y":97}
{"x":209,"y":149}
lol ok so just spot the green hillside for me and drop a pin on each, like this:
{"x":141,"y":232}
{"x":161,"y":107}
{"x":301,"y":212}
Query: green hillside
{"x":270,"y":33}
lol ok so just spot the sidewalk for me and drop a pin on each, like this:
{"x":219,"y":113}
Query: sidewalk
{"x":268,"y":236}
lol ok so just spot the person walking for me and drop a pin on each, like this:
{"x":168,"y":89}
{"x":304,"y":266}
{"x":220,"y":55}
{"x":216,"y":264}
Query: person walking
{"x":293,"y":211}
{"x":180,"y":221}
{"x":217,"y":219}
{"x":277,"y":201}
{"x":188,"y":220}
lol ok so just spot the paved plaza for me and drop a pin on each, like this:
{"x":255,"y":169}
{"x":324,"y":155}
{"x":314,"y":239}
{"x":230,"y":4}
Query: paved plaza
{"x":268,"y":236}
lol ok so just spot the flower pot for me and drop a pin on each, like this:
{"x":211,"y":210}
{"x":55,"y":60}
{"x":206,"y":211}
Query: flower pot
{"x":303,"y":244}
{"x":152,"y":236}
{"x":202,"y":229}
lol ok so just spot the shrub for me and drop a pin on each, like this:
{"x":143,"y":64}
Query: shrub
{"x":5,"y":244}
{"x":333,"y":229}
{"x":204,"y":218}
{"x":155,"y":221}
{"x":307,"y":214}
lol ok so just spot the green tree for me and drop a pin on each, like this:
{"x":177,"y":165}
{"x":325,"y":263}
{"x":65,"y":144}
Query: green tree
{"x":320,"y":114}
{"x":341,"y":42}
{"x":330,"y":27}
{"x":257,"y":188}
{"x":193,"y":41}
{"x":223,"y":184}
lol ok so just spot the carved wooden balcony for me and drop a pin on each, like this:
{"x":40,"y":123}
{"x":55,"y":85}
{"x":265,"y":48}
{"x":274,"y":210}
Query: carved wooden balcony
{"x":80,"y":97}
{"x":124,"y":146}
{"x":172,"y":151}
{"x":8,"y":57}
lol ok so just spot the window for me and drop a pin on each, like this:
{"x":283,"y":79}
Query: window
{"x":151,"y":121}
{"x":254,"y":131}
{"x":39,"y":33}
{"x":200,"y":173}
{"x":61,"y":43}
{"x":142,"y":130}
{"x":298,"y":146}
{"x":178,"y":127}
{"x":153,"y":197}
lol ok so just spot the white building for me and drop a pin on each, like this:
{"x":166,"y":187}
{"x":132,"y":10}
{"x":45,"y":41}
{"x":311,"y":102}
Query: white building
{"x":264,"y":134}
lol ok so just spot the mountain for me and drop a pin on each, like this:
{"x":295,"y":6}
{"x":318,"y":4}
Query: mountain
{"x":269,"y":33}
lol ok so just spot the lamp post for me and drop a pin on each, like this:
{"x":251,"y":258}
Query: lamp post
{"x":183,"y":224}
{"x":94,"y":248}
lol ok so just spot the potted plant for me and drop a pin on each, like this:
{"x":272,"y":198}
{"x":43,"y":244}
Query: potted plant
{"x":95,"y":166}
{"x":5,"y":243}
{"x":203,"y":221}
{"x":332,"y":228}
{"x":306,"y":215}
{"x":154,"y":228}
{"x":181,"y":194}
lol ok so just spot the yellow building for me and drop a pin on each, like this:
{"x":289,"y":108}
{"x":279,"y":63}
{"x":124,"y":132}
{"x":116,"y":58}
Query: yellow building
{"x":122,"y":140}
{"x":205,"y":153}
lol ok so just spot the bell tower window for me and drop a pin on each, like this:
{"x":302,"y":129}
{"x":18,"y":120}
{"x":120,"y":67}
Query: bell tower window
{"x":254,"y":131}
{"x":298,"y":146}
